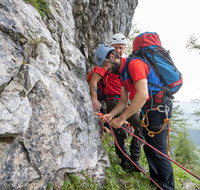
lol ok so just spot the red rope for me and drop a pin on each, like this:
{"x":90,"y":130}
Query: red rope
{"x":100,"y":114}
{"x":130,"y":159}
{"x":156,"y":150}
{"x":162,"y":154}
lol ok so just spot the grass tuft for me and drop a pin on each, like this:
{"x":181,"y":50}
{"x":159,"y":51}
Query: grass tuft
{"x":40,"y":5}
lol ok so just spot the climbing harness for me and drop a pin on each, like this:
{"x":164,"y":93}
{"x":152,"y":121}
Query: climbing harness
{"x":166,"y":120}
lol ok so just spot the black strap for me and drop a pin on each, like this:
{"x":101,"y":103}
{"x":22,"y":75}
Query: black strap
{"x":116,"y":96}
{"x":113,"y":62}
{"x":156,"y":85}
{"x":151,"y":97}
{"x":101,"y":82}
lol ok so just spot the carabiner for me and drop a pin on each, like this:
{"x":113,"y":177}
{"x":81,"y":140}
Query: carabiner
{"x":162,"y":111}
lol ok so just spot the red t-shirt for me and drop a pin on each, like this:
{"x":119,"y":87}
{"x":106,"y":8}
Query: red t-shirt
{"x":99,"y":70}
{"x":111,"y":81}
{"x":138,"y":70}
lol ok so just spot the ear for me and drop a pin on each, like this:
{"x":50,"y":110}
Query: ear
{"x":124,"y":49}
{"x":112,"y":57}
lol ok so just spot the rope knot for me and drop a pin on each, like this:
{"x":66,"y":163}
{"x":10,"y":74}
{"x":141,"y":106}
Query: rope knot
{"x":167,"y":120}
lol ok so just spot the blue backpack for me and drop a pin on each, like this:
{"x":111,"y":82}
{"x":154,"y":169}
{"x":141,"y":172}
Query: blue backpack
{"x":148,"y":46}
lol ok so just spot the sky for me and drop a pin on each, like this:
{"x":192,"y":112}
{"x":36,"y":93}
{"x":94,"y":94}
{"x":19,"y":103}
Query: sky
{"x":175,"y":21}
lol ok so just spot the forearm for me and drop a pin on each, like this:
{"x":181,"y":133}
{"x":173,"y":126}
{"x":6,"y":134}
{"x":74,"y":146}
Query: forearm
{"x":136,"y":104}
{"x":93,"y":91}
{"x":138,"y":101}
{"x":118,"y":108}
{"x":122,"y":102}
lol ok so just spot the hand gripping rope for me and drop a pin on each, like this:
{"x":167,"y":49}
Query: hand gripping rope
{"x":107,"y":120}
{"x":166,"y":120}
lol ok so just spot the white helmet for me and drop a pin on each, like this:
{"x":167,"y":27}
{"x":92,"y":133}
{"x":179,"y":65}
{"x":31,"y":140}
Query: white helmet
{"x":118,"y":39}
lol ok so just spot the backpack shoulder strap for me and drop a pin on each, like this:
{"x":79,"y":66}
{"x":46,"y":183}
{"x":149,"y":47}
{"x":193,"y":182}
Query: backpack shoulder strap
{"x":130,"y":58}
{"x":101,"y":82}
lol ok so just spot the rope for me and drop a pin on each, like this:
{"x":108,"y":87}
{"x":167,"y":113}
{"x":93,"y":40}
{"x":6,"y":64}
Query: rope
{"x":113,"y":134}
{"x":145,"y":116}
{"x":152,"y":133}
{"x":102,"y":118}
{"x":129,"y":158}
{"x":162,"y":154}
{"x":100,"y":114}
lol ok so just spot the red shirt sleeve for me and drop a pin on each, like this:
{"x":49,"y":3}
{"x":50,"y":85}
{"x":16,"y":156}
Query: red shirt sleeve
{"x":100,"y":71}
{"x":138,"y":70}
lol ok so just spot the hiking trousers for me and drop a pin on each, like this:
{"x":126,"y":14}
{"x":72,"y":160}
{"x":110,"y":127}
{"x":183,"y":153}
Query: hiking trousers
{"x":135,"y":147}
{"x":160,"y":167}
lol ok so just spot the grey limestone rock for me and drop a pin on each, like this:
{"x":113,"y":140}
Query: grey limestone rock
{"x":47,"y":126}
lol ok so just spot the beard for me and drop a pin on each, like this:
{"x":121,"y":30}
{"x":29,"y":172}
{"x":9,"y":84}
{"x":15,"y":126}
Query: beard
{"x":114,"y":69}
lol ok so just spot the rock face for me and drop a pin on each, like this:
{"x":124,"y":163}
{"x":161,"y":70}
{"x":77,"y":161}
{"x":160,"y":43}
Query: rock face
{"x":47,"y":126}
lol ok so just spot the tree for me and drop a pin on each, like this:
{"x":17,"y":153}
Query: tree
{"x":177,"y":121}
{"x":193,"y":43}
{"x":129,"y":46}
{"x":183,"y":149}
{"x":196,"y":112}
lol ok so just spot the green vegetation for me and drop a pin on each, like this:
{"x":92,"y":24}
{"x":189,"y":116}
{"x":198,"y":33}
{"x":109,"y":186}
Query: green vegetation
{"x":193,"y":43}
{"x":183,"y":149}
{"x":196,"y":112}
{"x":7,"y":139}
{"x":129,"y":46}
{"x":195,"y":135}
{"x":35,"y":42}
{"x":74,"y":182}
{"x":118,"y":179}
{"x":40,"y":5}
{"x":49,"y":186}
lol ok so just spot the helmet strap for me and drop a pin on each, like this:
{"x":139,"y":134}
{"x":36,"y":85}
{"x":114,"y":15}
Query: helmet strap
{"x":113,"y":62}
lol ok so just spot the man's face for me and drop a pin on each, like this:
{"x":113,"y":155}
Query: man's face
{"x":107,"y":66}
{"x":110,"y":67}
{"x":119,"y":48}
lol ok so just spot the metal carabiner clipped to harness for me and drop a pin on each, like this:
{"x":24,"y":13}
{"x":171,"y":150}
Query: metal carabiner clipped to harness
{"x":159,"y":108}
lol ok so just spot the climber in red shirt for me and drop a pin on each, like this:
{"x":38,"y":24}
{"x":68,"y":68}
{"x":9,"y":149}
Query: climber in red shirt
{"x":112,"y":90}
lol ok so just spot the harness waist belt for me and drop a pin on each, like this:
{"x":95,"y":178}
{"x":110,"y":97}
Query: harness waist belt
{"x":116,"y":96}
